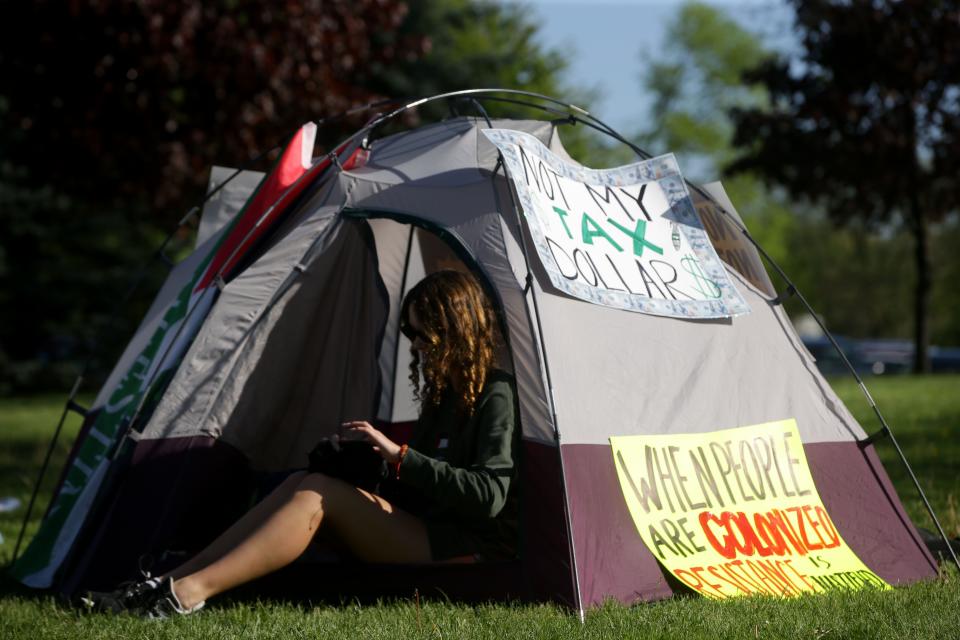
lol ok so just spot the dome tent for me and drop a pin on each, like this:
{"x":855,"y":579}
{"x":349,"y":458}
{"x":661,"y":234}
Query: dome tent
{"x":284,"y":321}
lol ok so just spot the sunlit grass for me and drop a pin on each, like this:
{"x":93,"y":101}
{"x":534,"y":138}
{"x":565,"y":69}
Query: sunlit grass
{"x":923,"y":413}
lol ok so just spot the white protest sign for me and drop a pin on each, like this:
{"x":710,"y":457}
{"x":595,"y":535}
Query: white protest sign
{"x":626,"y":237}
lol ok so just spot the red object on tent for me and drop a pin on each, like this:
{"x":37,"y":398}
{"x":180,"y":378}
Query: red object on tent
{"x":274,"y":195}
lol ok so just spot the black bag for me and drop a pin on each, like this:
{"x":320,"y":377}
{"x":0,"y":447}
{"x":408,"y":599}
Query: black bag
{"x":354,"y":461}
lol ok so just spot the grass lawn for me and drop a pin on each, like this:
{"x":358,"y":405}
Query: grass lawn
{"x":923,"y":413}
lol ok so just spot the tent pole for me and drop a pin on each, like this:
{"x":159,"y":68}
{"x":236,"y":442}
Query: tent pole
{"x":71,"y":397}
{"x":553,"y":405}
{"x":135,"y":283}
{"x":546,"y":365}
{"x":885,"y":428}
{"x":43,"y":469}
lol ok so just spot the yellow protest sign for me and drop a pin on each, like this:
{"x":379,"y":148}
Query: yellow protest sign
{"x":735,"y":512}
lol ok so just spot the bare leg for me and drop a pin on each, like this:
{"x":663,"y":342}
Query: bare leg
{"x":242,"y":528}
{"x":369,"y":525}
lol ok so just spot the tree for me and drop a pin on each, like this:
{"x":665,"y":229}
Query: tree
{"x":495,"y":44}
{"x":111,"y":113}
{"x":866,"y":121}
{"x":147,"y":93}
{"x":694,"y":84}
{"x":487,"y":44}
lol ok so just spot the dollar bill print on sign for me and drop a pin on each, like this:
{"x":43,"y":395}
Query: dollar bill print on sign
{"x":626,"y":237}
{"x":736,"y":512}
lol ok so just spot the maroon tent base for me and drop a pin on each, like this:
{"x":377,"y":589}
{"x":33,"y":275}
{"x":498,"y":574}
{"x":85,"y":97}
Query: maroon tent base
{"x":179,"y":494}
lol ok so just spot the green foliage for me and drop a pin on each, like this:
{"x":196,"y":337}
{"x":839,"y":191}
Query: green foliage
{"x":945,"y":298}
{"x":471,"y":43}
{"x":63,"y":265}
{"x":866,"y":115}
{"x":694,"y":86}
{"x":865,"y":122}
{"x":696,"y":82}
{"x":856,"y":277}
{"x":860,"y":278}
{"x":111,"y":114}
{"x":484,"y":44}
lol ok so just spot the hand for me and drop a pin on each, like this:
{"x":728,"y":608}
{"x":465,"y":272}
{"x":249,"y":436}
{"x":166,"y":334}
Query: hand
{"x":387,"y":448}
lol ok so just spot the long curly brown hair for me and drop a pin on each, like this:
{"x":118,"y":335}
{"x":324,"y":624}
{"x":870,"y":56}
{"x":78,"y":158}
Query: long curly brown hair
{"x":458,"y":328}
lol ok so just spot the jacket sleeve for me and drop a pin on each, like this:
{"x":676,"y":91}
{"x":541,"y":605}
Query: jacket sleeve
{"x":479,"y":490}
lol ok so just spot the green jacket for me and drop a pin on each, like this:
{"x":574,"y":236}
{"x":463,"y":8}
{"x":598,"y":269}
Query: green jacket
{"x":466,"y":469}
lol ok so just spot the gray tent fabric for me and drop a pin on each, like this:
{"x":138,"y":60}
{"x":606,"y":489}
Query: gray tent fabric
{"x":193,"y":404}
{"x":306,"y":335}
{"x":310,"y":363}
{"x":179,"y":277}
{"x":393,"y":242}
{"x":653,"y":375}
{"x":228,"y":201}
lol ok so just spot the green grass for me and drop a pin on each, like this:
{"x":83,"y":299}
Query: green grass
{"x":922,"y":611}
{"x":923,"y":413}
{"x":26,"y":427}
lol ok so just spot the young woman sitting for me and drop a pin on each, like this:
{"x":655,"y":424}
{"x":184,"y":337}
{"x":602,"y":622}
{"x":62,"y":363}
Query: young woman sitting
{"x":453,"y":487}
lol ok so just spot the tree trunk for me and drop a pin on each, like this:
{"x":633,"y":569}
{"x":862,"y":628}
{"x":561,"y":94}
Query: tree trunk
{"x":921,"y":324}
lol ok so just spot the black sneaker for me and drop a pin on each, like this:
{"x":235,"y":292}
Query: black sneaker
{"x":162,"y":602}
{"x":129,"y":597}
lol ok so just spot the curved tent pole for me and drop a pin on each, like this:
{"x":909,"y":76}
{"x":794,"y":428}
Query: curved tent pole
{"x":484,"y":94}
{"x":594,"y":123}
{"x":599,"y":125}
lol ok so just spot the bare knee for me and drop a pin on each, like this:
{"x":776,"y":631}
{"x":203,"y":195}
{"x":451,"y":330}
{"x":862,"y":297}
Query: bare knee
{"x":327,"y":491}
{"x":317,"y":483}
{"x":308,"y":496}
